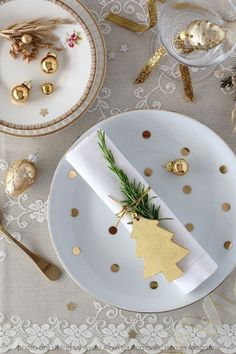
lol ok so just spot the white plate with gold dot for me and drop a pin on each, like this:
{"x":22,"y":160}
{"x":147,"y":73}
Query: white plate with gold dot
{"x":80,"y":73}
{"x":103,"y":261}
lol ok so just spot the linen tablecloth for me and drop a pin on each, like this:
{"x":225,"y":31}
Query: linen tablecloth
{"x":39,"y":316}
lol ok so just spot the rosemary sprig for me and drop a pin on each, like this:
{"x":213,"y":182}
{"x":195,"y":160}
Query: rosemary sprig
{"x":132,"y":190}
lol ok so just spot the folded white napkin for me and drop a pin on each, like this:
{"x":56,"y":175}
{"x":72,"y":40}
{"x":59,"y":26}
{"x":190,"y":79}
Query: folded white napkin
{"x":87,"y":159}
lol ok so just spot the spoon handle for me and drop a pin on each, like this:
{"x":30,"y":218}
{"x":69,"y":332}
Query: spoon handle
{"x":47,"y":268}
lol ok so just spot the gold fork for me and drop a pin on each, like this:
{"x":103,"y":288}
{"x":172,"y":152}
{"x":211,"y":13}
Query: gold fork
{"x":47,"y":268}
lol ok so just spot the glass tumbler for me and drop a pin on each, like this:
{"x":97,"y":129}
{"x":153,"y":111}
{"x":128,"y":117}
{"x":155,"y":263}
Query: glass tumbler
{"x":176,"y":15}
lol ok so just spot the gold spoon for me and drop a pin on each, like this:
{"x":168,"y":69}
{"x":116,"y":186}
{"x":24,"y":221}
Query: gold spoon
{"x":47,"y":268}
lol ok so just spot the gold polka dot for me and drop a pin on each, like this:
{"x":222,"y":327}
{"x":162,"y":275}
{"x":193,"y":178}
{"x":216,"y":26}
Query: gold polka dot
{"x":189,"y":227}
{"x":115,"y":268}
{"x":76,"y":251}
{"x":72,"y":174}
{"x":226,"y":207}
{"x":153,"y":285}
{"x":148,"y":171}
{"x":112,"y":230}
{"x":74,"y":212}
{"x":185,"y":151}
{"x":187,"y":189}
{"x":228,"y":245}
{"x":223,"y":169}
{"x":146,"y":134}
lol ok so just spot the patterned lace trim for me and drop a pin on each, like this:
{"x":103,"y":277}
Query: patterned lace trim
{"x":115,"y":331}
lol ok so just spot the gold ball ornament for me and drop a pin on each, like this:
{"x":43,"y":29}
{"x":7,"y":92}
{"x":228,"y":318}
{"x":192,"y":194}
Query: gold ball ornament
{"x":49,"y":64}
{"x":19,"y":177}
{"x":20,"y":93}
{"x":26,"y":38}
{"x":179,"y":167}
{"x":47,"y":88}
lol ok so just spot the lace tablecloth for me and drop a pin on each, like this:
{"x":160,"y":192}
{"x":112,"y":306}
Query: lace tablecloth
{"x":39,"y":316}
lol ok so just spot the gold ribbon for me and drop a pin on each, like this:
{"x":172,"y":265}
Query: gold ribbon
{"x":150,"y":65}
{"x":155,"y":58}
{"x":133,"y":26}
{"x":187,"y":82}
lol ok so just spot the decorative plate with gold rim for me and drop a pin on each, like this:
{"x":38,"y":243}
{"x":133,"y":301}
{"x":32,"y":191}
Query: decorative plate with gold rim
{"x":204,"y":200}
{"x":82,"y":63}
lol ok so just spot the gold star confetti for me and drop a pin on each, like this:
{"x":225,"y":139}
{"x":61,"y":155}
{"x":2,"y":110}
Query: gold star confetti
{"x":71,"y":306}
{"x":132,"y":333}
{"x":44,"y":112}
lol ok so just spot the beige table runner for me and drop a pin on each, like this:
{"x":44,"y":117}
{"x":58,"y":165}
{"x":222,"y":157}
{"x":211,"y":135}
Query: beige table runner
{"x":34,"y":314}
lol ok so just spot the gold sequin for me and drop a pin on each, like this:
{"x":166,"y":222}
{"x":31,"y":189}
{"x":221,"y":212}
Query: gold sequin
{"x":72,"y":174}
{"x":112,"y":230}
{"x":148,"y":171}
{"x":74,"y":212}
{"x":187,"y":189}
{"x":146,"y":134}
{"x":185,"y":151}
{"x":189,"y":227}
{"x":223,"y":169}
{"x":76,"y":251}
{"x":228,"y":245}
{"x":153,"y":285}
{"x":226,"y":207}
{"x":115,"y":268}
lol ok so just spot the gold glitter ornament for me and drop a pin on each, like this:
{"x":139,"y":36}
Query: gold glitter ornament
{"x":20,"y":93}
{"x":49,"y":64}
{"x":47,"y":88}
{"x":203,"y":35}
{"x":179,"y":167}
{"x":154,"y":244}
{"x":20,"y":176}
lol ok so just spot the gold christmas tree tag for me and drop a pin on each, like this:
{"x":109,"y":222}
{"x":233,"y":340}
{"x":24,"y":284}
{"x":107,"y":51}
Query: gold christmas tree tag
{"x":155,"y":246}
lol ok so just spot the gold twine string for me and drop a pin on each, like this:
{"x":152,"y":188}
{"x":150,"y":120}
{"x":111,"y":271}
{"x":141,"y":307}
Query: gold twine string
{"x":155,"y":58}
{"x":128,"y":208}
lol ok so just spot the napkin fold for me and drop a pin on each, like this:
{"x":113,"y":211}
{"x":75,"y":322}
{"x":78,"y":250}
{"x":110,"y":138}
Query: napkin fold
{"x":87,"y":159}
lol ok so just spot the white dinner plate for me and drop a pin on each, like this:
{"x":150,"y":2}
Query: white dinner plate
{"x":80,"y":74}
{"x":213,"y":226}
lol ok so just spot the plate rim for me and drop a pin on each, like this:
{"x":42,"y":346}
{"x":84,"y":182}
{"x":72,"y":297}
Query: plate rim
{"x":82,"y":136}
{"x":29,"y":133}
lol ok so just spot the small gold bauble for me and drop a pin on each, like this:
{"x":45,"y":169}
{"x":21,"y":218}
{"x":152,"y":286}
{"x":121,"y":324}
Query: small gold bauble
{"x":47,"y":88}
{"x":20,"y":93}
{"x":49,"y":64}
{"x":179,"y":167}
{"x":19,"y":177}
{"x":26,"y":38}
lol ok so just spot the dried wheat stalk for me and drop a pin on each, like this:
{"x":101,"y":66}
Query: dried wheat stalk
{"x":41,"y":31}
